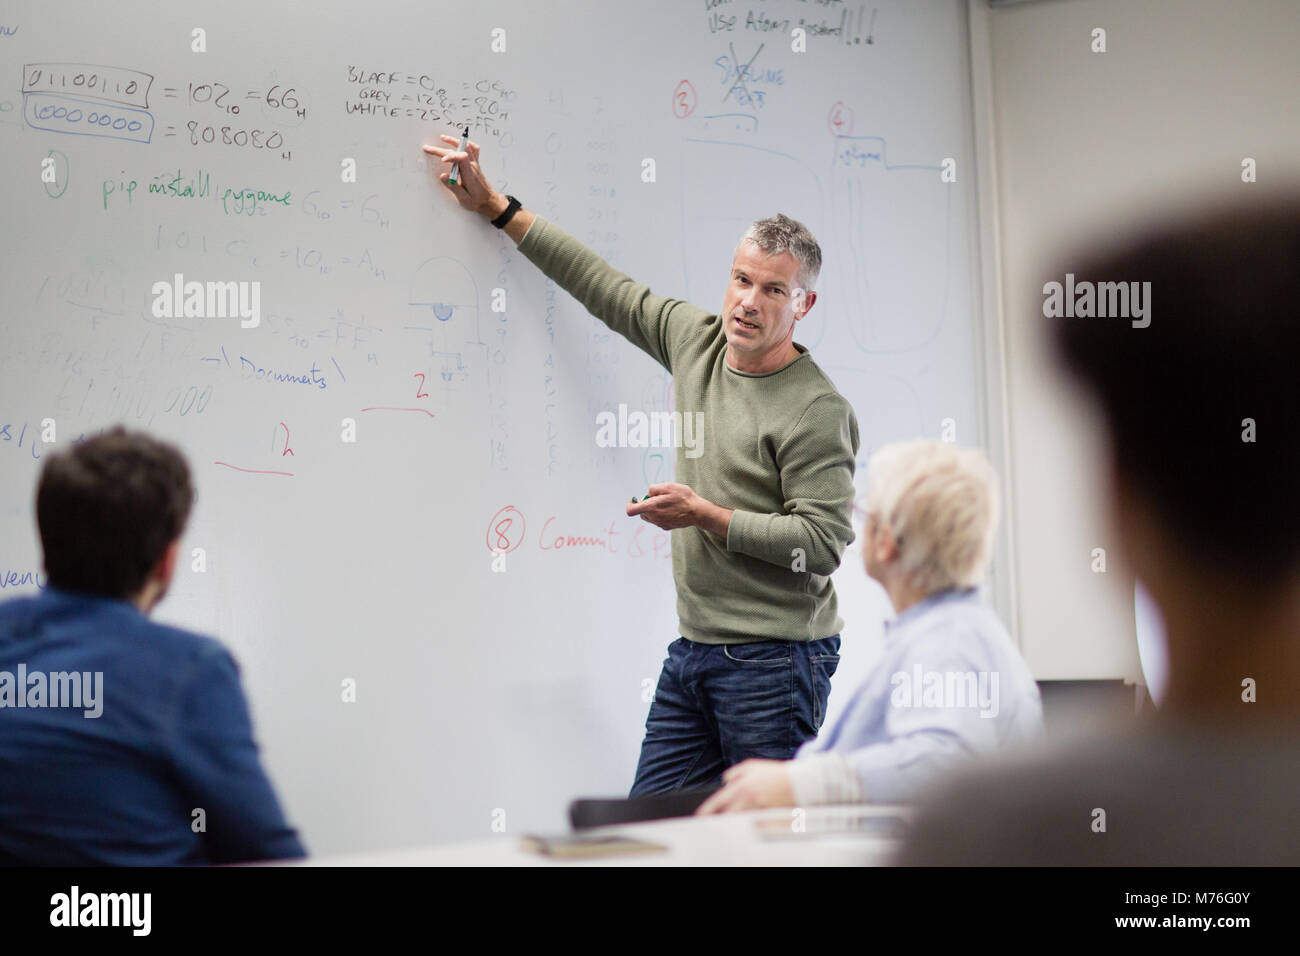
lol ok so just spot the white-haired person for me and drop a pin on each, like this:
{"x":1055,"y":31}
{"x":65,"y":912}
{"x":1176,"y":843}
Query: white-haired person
{"x":950,"y":684}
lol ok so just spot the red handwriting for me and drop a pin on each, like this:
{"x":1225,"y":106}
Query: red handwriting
{"x":253,"y":471}
{"x":506,"y":532}
{"x":387,"y":408}
{"x":684,"y":99}
{"x":660,"y":545}
{"x":571,"y":541}
{"x":840,"y":120}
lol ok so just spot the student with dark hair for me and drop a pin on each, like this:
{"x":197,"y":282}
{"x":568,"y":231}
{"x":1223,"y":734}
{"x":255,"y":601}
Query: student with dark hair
{"x":122,"y":741}
{"x":1202,"y":411}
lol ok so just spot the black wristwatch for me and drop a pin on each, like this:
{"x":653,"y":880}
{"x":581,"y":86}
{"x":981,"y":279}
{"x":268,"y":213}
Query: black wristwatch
{"x":501,"y":220}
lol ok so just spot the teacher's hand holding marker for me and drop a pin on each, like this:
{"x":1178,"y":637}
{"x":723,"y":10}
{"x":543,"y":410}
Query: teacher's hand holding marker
{"x":461,"y":173}
{"x":760,"y":506}
{"x":670,"y":505}
{"x":463,"y":178}
{"x":454,"y":177}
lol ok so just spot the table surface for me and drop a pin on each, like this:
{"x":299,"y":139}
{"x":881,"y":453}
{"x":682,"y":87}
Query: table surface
{"x":729,"y":839}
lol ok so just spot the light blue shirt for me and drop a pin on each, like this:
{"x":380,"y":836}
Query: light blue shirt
{"x":949,"y":686}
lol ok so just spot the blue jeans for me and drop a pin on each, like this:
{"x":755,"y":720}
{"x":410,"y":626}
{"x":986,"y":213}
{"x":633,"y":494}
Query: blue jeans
{"x":718,"y":704}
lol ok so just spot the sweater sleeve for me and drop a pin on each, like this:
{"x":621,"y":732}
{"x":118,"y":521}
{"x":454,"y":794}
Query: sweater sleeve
{"x":653,"y":323}
{"x":218,"y":763}
{"x":816,"y":463}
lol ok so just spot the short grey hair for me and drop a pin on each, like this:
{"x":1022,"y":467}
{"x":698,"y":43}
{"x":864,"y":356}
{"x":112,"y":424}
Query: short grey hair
{"x":778,"y":234}
{"x":941,"y":501}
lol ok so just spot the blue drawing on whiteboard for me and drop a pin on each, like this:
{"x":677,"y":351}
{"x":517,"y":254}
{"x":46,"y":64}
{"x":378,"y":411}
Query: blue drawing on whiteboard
{"x":885,"y":228}
{"x":444,"y":305}
{"x":78,"y":117}
{"x":890,"y":249}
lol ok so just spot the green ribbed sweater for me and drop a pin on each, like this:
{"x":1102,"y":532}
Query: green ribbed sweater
{"x":778,"y":448}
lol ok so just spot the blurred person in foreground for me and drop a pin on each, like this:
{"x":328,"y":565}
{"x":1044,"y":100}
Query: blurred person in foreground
{"x":122,"y":741}
{"x":950,"y":684}
{"x":1199,"y":401}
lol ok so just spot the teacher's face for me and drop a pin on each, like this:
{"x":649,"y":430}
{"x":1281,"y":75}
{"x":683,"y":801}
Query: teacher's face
{"x":759,"y":309}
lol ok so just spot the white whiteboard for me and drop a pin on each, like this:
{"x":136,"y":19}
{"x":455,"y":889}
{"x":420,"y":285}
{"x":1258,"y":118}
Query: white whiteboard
{"x":477,"y":692}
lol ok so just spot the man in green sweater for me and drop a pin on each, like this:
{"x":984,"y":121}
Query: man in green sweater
{"x":761,"y":508}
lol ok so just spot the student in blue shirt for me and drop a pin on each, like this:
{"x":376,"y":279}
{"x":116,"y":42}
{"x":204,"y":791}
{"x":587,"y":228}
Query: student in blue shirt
{"x":122,"y":741}
{"x":950,"y":684}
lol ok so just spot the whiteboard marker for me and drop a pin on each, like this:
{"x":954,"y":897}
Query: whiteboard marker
{"x":454,"y":178}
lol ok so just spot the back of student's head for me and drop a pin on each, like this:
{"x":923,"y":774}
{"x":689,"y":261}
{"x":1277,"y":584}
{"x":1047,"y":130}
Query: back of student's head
{"x":941,"y":503}
{"x":107,"y":507}
{"x":1201,"y":403}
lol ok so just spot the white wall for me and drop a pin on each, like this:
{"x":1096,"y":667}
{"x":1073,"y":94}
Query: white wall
{"x":1083,"y":145}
